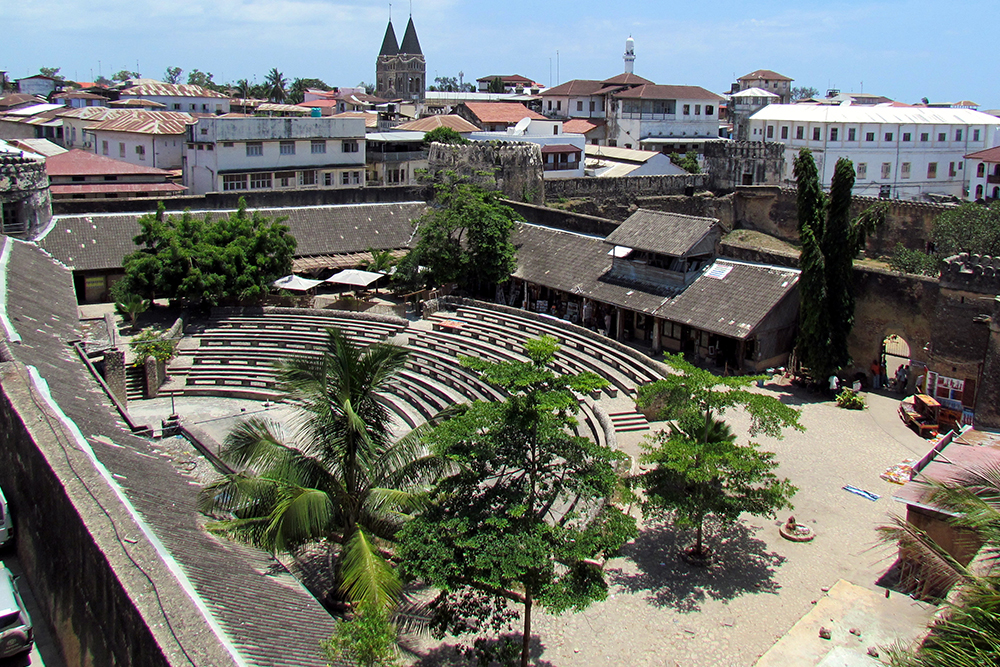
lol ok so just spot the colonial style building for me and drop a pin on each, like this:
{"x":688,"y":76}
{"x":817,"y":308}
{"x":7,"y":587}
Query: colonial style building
{"x":983,"y":171}
{"x":767,"y":80}
{"x":400,"y":69}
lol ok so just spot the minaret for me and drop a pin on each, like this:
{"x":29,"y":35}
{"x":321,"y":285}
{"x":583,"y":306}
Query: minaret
{"x":629,"y":56}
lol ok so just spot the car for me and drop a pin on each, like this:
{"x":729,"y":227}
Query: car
{"x":16,"y":633}
{"x":6,"y":526}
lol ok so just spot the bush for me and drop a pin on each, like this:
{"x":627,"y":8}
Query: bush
{"x":849,"y":400}
{"x":905,"y":260}
{"x":149,"y":343}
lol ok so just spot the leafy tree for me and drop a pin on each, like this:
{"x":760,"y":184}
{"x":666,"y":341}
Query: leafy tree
{"x":688,"y":162}
{"x":332,"y":472}
{"x":905,"y":260}
{"x":53,"y":72}
{"x":124,"y":75}
{"x":381,"y":261}
{"x":227,"y":260}
{"x":700,"y":469}
{"x":971,"y":228}
{"x":276,"y":83}
{"x":369,"y":87}
{"x":131,"y":305}
{"x":833,"y":240}
{"x":495,"y":86}
{"x":172,"y":75}
{"x":451,"y":84}
{"x":803,"y":92}
{"x":367,"y":638}
{"x":464,"y":238}
{"x":203,"y":79}
{"x":103,"y":81}
{"x":529,"y":510}
{"x":444,"y":135}
{"x":297,"y":91}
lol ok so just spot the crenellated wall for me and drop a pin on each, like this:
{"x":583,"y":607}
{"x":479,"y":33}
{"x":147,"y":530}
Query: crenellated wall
{"x":730,"y":164}
{"x":626,"y":187}
{"x":24,"y":189}
{"x":972,"y":273}
{"x":513,"y":168}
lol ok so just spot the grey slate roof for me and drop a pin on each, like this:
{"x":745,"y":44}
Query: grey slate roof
{"x":665,"y":233}
{"x":410,"y":44}
{"x":271,"y":619}
{"x":100,"y":242}
{"x":390,"y":46}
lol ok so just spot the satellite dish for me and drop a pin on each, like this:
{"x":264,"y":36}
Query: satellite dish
{"x":522,"y":126}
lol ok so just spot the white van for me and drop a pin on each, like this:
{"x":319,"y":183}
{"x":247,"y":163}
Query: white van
{"x":6,"y":527}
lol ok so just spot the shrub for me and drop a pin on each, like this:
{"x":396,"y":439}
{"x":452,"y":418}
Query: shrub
{"x":849,"y":400}
{"x":905,"y":260}
{"x":149,"y":343}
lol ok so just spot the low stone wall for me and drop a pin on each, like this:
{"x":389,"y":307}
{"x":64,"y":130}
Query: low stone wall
{"x":751,"y":253}
{"x":553,"y":217}
{"x":627,"y":187}
{"x":226,"y":311}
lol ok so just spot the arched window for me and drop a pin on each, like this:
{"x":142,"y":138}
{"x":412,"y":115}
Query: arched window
{"x":996,"y":193}
{"x":979,"y":191}
{"x":981,"y":170}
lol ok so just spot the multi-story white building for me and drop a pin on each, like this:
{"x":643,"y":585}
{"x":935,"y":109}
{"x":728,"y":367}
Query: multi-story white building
{"x":146,"y":138}
{"x":180,"y":97}
{"x":233,"y":154}
{"x":982,"y":168}
{"x":904,"y":152}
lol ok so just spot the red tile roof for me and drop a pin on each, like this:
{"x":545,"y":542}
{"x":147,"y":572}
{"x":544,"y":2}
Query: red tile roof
{"x":626,"y":79}
{"x":146,"y":122}
{"x":766,"y":74}
{"x":655,"y":92}
{"x":371,"y":120}
{"x":581,"y":125}
{"x":988,"y":155}
{"x":319,"y":103}
{"x":82,"y":163}
{"x":96,"y":188}
{"x":507,"y":78}
{"x":429,"y":123}
{"x":560,"y":148}
{"x":501,"y":112}
{"x":574,"y":87}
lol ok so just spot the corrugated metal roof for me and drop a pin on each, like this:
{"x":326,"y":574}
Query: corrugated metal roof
{"x":83,"y":163}
{"x":141,"y":121}
{"x":34,"y":109}
{"x":754,"y":92}
{"x":98,"y":188}
{"x":808,"y":113}
{"x":160,"y":89}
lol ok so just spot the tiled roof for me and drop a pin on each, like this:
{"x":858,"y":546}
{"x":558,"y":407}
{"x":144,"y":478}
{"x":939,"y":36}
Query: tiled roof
{"x":14,"y":100}
{"x":764,"y":74}
{"x":560,"y":148}
{"x":655,"y":92}
{"x":501,"y":112}
{"x":145,"y":122}
{"x":665,"y":233}
{"x":170,"y":90}
{"x":451,"y":121}
{"x":98,"y":188}
{"x":506,"y":78}
{"x":626,"y":79}
{"x":988,"y":155}
{"x":77,"y":162}
{"x":100,"y":242}
{"x":574,"y":87}
{"x":582,"y":125}
{"x":266,"y":614}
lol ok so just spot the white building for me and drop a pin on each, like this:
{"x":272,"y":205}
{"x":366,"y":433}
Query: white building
{"x":983,"y":171}
{"x":76,"y":121}
{"x":40,"y":85}
{"x":232,"y":154}
{"x":180,"y":97}
{"x":746,"y":103}
{"x":904,"y":152}
{"x":145,"y":138}
{"x":562,"y":154}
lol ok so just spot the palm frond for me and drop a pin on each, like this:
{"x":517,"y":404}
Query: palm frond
{"x":366,"y":576}
{"x":299,"y":516}
{"x":939,"y":571}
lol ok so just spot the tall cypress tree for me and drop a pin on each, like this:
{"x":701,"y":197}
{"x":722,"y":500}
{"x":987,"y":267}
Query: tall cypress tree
{"x":814,"y":324}
{"x":838,"y":247}
{"x":810,"y":199}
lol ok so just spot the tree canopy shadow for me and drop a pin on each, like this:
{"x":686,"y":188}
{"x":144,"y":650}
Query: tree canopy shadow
{"x":451,"y":655}
{"x":741,"y":564}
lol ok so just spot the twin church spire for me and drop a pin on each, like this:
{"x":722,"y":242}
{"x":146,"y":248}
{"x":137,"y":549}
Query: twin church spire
{"x":400,"y":69}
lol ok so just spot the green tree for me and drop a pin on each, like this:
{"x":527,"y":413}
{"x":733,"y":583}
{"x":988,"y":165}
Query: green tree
{"x":297,"y":91}
{"x":444,"y":135}
{"x":367,"y":638}
{"x":52,"y":72}
{"x":332,"y":472}
{"x":918,"y":262}
{"x":203,"y":79}
{"x":369,"y":87}
{"x":226,"y":260}
{"x":688,"y":162}
{"x":152,"y":343}
{"x":972,"y":227}
{"x":124,"y":75}
{"x":172,"y":75}
{"x":464,"y":238}
{"x":381,"y":261}
{"x":103,"y":81}
{"x":276,"y":83}
{"x":529,"y":510}
{"x":700,"y":469}
{"x":131,"y":305}
{"x":804,"y":92}
{"x":495,"y":86}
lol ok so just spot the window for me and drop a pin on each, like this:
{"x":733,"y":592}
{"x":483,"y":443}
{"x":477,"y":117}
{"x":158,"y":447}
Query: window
{"x":869,"y":136}
{"x":852,"y":134}
{"x":141,"y":152}
{"x":234,"y":182}
{"x":287,"y":148}
{"x":905,"y":170}
{"x":104,"y":147}
{"x":816,"y":134}
{"x":121,"y":149}
{"x":255,"y":149}
{"x":210,"y":147}
{"x":201,"y":147}
{"x":958,"y":135}
{"x":177,"y":106}
{"x":888,"y":136}
{"x":886,"y":170}
{"x":356,"y":177}
{"x":932,"y":170}
{"x":227,"y":144}
{"x":799,"y":132}
{"x":975,"y":135}
{"x":925,"y":137}
{"x":906,"y":136}
{"x":308,"y":178}
{"x":550,"y":105}
{"x":285,"y":178}
{"x":558,"y":105}
{"x":317,"y":146}
{"x":687,"y":109}
{"x":981,"y":170}
{"x":697,"y":110}
{"x":591,"y":105}
{"x":260,"y":181}
{"x":345,"y":178}
{"x":862,"y":170}
{"x":579,"y":105}
{"x":770,"y":131}
{"x":204,"y":130}
{"x":204,"y":107}
{"x":951,"y":170}
{"x":709,"y":109}
{"x":784,"y":131}
{"x":834,"y":133}
{"x":942,"y":137}
{"x":328,"y":178}
{"x":350,"y":146}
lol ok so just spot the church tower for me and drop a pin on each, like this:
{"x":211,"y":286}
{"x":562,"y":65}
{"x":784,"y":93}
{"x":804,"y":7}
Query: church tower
{"x":400,"y":69}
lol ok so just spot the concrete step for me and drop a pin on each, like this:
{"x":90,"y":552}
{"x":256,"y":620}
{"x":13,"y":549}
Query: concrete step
{"x":628,"y":421}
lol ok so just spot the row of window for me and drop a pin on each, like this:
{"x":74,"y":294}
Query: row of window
{"x":316,"y":147}
{"x":194,"y":107}
{"x":285,"y":179}
{"x":139,"y":150}
{"x":861,"y":170}
{"x":852,"y":135}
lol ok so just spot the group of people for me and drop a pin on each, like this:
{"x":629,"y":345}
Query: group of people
{"x":879,"y":378}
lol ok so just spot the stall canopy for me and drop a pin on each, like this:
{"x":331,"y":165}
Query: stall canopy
{"x":355,"y":277}
{"x":295,"y":283}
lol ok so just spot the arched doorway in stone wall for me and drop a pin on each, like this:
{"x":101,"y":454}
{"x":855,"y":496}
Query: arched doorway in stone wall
{"x":895,"y":353}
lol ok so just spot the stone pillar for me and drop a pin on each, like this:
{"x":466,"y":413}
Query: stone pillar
{"x":988,"y":394}
{"x":152,"y":378}
{"x":656,"y":334}
{"x":114,"y":374}
{"x":619,"y":323}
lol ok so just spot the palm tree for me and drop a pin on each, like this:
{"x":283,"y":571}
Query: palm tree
{"x":276,"y":83}
{"x":333,"y":473}
{"x":381,"y":261}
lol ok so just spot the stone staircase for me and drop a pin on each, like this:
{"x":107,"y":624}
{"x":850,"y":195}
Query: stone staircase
{"x":629,"y":420}
{"x":135,"y":382}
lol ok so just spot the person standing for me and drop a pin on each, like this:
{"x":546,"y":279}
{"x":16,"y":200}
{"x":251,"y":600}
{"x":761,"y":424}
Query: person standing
{"x":876,"y":370}
{"x":834,"y":384}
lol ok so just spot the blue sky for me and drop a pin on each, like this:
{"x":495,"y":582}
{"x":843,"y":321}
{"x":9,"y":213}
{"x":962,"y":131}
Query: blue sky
{"x":904,"y":50}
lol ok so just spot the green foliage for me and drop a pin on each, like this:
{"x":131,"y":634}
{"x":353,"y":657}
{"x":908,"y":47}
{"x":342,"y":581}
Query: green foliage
{"x":529,"y":509}
{"x":918,"y":262}
{"x":331,"y":472}
{"x":850,"y":400}
{"x":103,"y":81}
{"x":971,"y":228}
{"x":131,"y":306}
{"x":203,"y":79}
{"x":369,"y":87}
{"x":381,"y":262}
{"x":367,"y":639}
{"x":172,"y":75}
{"x":688,"y":162}
{"x":803,"y":92}
{"x":464,"y":238}
{"x":451,"y":84}
{"x":297,"y":91}
{"x":495,"y":86}
{"x":51,"y":72}
{"x":276,"y":84}
{"x":444,"y":135}
{"x":125,"y":75}
{"x":150,"y":343}
{"x":227,"y":260}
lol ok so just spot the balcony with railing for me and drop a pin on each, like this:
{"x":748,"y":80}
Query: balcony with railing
{"x":396,"y":156}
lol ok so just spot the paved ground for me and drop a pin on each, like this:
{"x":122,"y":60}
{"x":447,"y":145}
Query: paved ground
{"x":44,"y":653}
{"x":663,"y":612}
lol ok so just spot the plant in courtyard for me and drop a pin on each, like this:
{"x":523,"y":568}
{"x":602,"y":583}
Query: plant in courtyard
{"x":688,"y":162}
{"x":905,"y":260}
{"x":332,"y":472}
{"x":150,"y":343}
{"x":382,"y":261}
{"x":367,"y":638}
{"x":972,"y":227}
{"x":699,"y":468}
{"x":530,"y":510}
{"x":130,"y":305}
{"x":850,"y":400}
{"x":830,"y":242}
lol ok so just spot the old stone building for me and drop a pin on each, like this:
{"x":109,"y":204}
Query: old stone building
{"x":400,"y":69}
{"x":25,"y":203}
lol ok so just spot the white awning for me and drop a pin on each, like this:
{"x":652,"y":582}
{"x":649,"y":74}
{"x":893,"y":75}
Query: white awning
{"x":355,"y":277}
{"x":295,"y":283}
